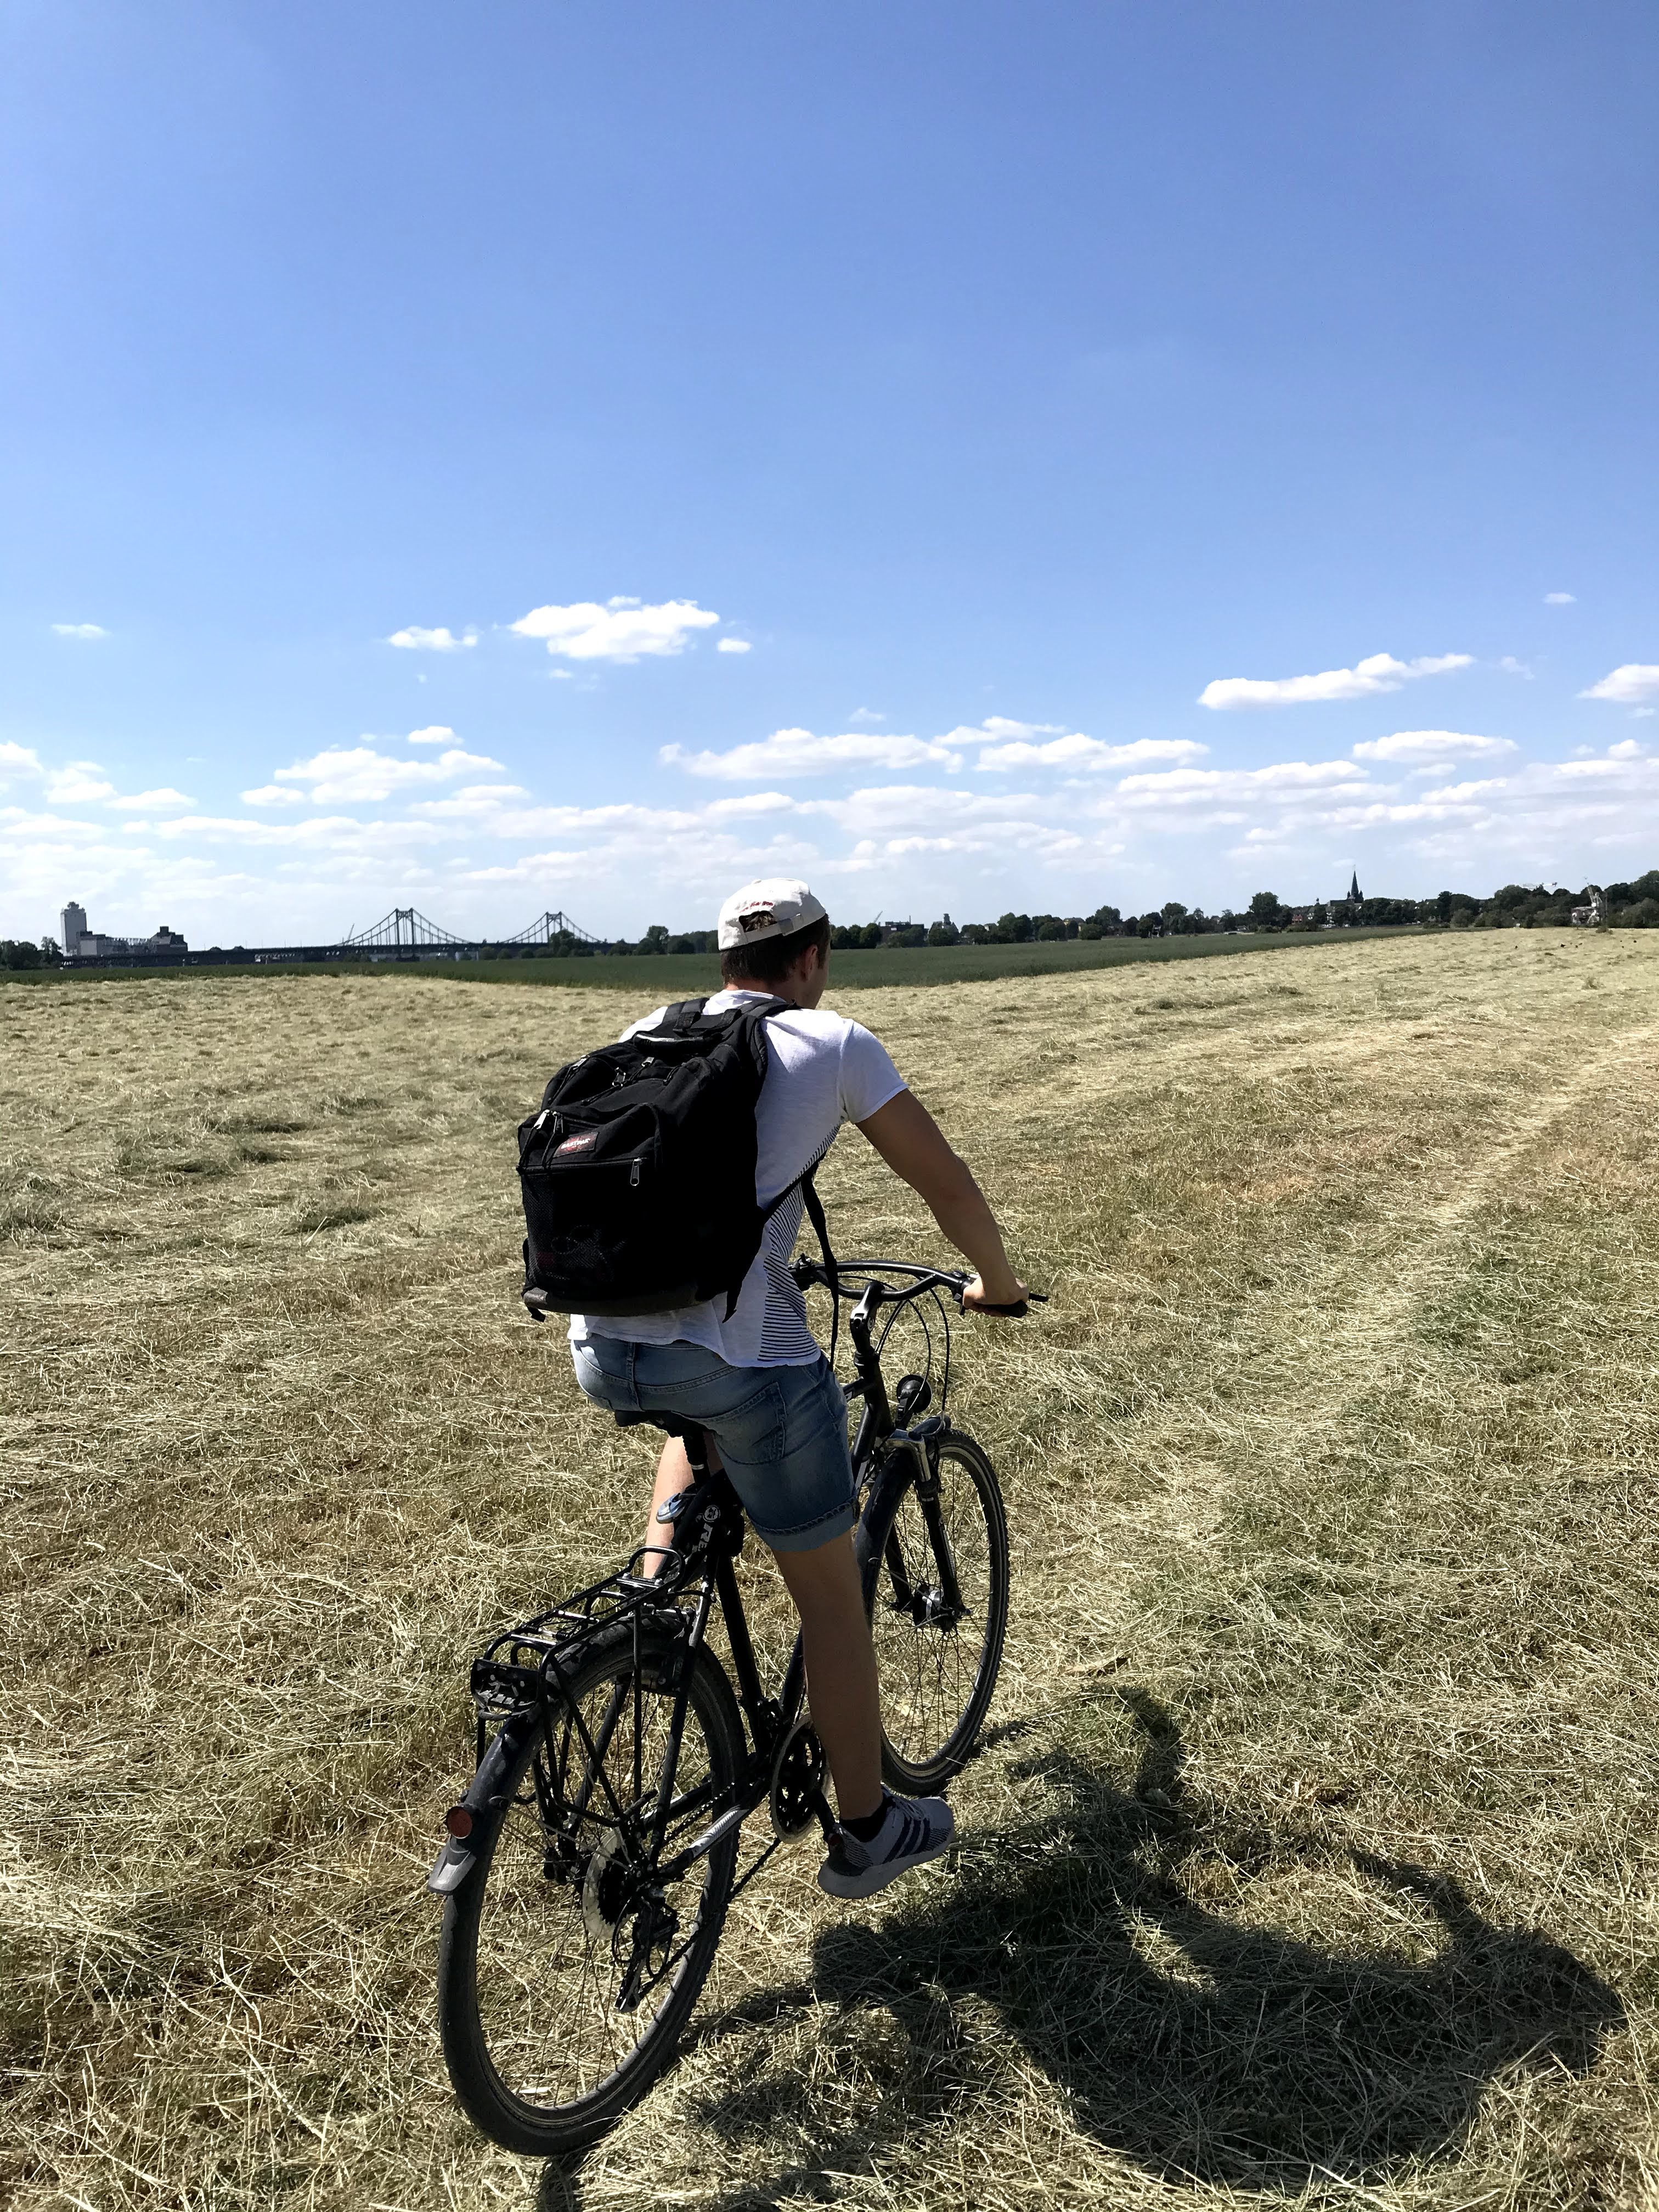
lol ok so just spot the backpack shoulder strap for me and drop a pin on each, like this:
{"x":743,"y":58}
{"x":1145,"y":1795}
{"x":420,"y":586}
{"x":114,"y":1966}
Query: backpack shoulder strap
{"x":680,"y":1020}
{"x":809,"y":1191}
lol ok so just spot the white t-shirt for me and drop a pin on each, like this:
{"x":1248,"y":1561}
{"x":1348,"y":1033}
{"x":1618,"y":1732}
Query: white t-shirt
{"x":821,"y":1070}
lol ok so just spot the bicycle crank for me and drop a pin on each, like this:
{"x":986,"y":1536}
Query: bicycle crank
{"x":798,"y":1773}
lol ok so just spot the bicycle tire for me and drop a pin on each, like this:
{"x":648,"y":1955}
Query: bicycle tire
{"x":536,"y":1905}
{"x":936,"y":1683}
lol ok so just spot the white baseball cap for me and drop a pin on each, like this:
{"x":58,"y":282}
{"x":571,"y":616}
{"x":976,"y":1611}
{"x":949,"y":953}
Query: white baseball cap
{"x":773,"y":907}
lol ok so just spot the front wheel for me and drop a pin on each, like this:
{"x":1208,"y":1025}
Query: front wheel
{"x":935,"y":1555}
{"x":568,"y":1965}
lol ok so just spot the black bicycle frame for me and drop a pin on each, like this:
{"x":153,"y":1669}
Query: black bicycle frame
{"x":707,"y":1530}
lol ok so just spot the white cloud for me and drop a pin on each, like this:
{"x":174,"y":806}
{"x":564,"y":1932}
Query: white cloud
{"x":1559,"y":600}
{"x":78,"y":629}
{"x":333,"y":833}
{"x":18,"y":760}
{"x":1381,"y":672}
{"x":734,"y":644}
{"x":1090,"y":821}
{"x":1628,"y":685}
{"x":791,"y":753}
{"x":1076,"y":751}
{"x":165,"y":797}
{"x":1431,"y":747}
{"x":1230,"y":786}
{"x":1608,"y":764}
{"x":621,"y":630}
{"x":417,"y":640}
{"x":1002,"y":745}
{"x":480,"y":802}
{"x":1459,"y":794}
{"x":78,"y":784}
{"x":358,"y":775}
{"x":865,"y":714}
{"x":998,"y":729}
{"x":895,"y":821}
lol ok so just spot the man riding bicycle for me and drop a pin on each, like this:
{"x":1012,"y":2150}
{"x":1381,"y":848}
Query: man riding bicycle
{"x":752,"y":1376}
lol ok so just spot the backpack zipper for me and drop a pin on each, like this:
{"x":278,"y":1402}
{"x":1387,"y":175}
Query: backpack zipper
{"x":634,"y":1175}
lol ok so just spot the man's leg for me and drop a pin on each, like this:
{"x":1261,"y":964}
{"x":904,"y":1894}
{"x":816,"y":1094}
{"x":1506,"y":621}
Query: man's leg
{"x":841,"y":1669}
{"x":841,"y":1661}
{"x":674,"y":1476}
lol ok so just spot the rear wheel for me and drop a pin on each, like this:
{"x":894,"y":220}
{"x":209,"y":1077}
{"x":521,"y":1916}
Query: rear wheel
{"x":935,"y":1552}
{"x":568,"y":1966}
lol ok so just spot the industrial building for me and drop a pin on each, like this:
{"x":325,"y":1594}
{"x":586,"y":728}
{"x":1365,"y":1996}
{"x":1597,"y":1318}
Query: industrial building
{"x":82,"y":943}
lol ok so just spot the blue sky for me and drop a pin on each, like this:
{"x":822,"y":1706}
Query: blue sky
{"x":923,"y":447}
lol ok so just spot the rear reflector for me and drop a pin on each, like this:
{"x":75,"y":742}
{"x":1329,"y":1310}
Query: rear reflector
{"x":458,"y":1819}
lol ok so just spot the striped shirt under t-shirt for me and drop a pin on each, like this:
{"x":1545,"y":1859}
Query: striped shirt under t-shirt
{"x":821,"y":1070}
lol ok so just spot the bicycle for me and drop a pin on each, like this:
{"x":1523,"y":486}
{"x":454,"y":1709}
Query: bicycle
{"x":588,"y":1871}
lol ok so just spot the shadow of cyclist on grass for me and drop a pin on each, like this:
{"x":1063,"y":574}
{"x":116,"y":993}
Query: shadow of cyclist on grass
{"x":1202,"y":2049}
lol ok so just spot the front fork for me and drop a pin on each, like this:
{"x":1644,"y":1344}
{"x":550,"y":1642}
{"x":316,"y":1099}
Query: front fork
{"x":922,"y":1441}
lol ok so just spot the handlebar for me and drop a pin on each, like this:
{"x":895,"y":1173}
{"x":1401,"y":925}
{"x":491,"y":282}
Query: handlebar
{"x":809,"y":1273}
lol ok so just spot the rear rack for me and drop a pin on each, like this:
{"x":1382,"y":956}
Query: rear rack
{"x":513,"y":1668}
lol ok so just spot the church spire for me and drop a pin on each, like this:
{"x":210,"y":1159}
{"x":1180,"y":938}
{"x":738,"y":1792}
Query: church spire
{"x":1353,"y":888}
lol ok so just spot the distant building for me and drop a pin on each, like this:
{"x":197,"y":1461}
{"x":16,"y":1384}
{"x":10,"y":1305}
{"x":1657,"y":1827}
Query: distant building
{"x":80,"y":943}
{"x":1353,"y":889}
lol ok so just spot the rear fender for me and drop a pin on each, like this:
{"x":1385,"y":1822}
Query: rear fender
{"x":486,"y":1800}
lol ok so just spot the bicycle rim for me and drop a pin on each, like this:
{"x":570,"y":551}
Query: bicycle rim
{"x":938,"y":1655}
{"x":567,"y":1971}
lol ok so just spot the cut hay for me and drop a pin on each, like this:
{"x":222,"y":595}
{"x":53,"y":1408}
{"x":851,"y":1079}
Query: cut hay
{"x":1311,"y":1854}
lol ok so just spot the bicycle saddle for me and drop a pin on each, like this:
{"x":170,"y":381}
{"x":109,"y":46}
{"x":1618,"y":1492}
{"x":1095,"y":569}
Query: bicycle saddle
{"x":672,"y":1423}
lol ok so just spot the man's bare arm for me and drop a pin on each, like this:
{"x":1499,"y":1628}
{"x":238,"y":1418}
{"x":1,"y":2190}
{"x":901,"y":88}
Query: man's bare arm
{"x":914,"y":1145}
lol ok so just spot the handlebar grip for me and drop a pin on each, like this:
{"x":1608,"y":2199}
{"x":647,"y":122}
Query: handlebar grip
{"x":1017,"y":1312}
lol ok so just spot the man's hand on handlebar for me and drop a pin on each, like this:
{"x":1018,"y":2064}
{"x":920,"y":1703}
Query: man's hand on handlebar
{"x":1007,"y":1297}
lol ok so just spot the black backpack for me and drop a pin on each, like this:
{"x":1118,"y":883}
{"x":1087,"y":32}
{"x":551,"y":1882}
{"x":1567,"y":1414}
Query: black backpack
{"x":638,"y":1174}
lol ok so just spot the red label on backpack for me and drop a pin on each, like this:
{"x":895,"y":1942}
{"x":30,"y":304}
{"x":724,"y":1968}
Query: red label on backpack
{"x":585,"y":1143}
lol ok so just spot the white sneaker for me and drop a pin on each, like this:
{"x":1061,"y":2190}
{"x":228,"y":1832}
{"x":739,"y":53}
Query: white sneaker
{"x":915,"y":1830}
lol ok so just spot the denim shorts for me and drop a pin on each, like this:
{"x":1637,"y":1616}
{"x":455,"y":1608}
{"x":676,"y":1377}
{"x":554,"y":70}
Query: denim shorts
{"x":782,"y":1430}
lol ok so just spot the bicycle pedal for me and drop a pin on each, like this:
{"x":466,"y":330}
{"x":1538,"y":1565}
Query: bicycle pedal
{"x":953,"y":1860}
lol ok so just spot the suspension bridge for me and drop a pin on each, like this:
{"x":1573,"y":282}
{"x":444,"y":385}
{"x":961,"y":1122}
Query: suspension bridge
{"x":406,"y":933}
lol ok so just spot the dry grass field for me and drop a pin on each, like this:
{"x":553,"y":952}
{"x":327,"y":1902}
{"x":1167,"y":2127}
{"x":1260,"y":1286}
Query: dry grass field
{"x":1312,"y":1856}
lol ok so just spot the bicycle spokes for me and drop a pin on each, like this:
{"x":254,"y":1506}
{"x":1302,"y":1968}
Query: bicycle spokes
{"x":579,"y":1933}
{"x":937,"y":1611}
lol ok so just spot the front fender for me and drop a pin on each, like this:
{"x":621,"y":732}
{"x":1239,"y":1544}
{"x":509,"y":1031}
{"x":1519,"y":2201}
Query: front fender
{"x":486,"y":1800}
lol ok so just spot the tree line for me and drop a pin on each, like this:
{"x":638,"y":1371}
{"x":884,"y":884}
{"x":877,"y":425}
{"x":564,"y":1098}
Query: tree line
{"x":1633,"y":905}
{"x":1514,"y":906}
